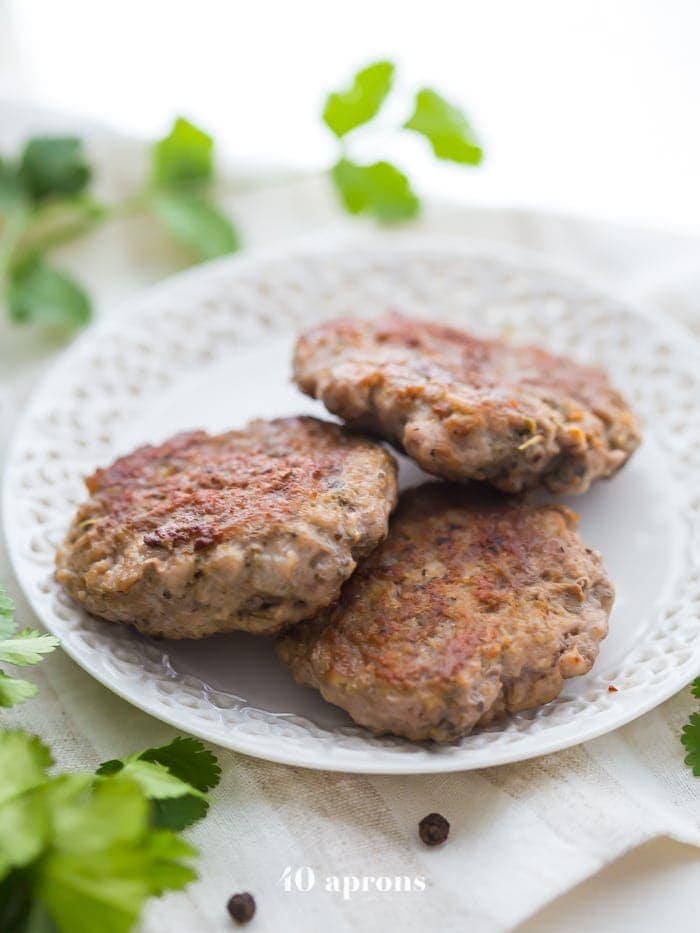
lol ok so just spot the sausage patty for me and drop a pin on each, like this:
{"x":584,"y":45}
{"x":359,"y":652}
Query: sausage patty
{"x":467,"y":408}
{"x":474,"y":606}
{"x":252,"y":530}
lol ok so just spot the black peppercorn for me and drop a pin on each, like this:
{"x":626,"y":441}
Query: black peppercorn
{"x":433,"y":829}
{"x":241,"y":907}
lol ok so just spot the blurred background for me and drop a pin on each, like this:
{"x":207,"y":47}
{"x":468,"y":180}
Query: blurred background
{"x":583,"y":107}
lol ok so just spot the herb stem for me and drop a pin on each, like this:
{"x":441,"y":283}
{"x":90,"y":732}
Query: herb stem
{"x":57,"y":224}
{"x":14,"y":228}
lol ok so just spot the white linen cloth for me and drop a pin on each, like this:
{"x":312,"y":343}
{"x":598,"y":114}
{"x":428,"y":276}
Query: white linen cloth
{"x":521,"y":834}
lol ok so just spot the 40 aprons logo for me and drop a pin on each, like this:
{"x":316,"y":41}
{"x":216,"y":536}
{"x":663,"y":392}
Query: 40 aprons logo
{"x":304,"y":879}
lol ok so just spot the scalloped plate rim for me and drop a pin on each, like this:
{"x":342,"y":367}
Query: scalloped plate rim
{"x":448,"y":759}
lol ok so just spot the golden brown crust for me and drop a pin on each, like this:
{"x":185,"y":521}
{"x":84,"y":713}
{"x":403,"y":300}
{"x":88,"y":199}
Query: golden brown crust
{"x":201,"y":489}
{"x":252,"y":529}
{"x":467,"y":408}
{"x":473,"y":606}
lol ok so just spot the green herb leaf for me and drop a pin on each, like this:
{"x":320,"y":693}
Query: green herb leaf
{"x":27,"y":647}
{"x":691,"y":740}
{"x":85,"y":893}
{"x":695,"y":687}
{"x":106,"y":891}
{"x":78,"y":853}
{"x":13,"y":690}
{"x":379,"y":189}
{"x":93,"y":815}
{"x":20,"y":648}
{"x":346,"y":110}
{"x":196,"y":224}
{"x":189,"y":760}
{"x":54,"y":165}
{"x":8,"y":626}
{"x":446,"y":127}
{"x":38,"y":293}
{"x":175,"y":776}
{"x":24,"y":763}
{"x":156,"y":781}
{"x":178,"y":812}
{"x":104,"y":860}
{"x":184,"y":158}
{"x":165,"y":850}
{"x":24,"y":831}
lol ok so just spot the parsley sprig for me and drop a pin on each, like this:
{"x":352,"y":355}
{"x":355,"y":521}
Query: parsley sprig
{"x":19,"y":647}
{"x":83,"y":852}
{"x":381,"y":189}
{"x":45,"y":202}
{"x":690,"y":736}
{"x":80,"y":852}
{"x":174,"y":776}
{"x":182,"y":170}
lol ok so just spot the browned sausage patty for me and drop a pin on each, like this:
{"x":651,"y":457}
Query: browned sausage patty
{"x":253,"y":530}
{"x":468,"y":610}
{"x":466,"y":408}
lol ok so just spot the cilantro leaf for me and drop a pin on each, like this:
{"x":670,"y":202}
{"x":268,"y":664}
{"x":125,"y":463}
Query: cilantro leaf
{"x":380,"y":190}
{"x":24,"y":831}
{"x":27,"y":647}
{"x":79,"y":853}
{"x":695,"y":687}
{"x":24,"y":821}
{"x":196,"y":223}
{"x":84,"y":893}
{"x":188,"y":759}
{"x":346,"y":110}
{"x":24,"y":763}
{"x":165,"y":849}
{"x":8,"y":626}
{"x":178,"y":812}
{"x":104,"y":861}
{"x":691,"y":740}
{"x":20,"y":648}
{"x":174,"y":776}
{"x":13,"y":690}
{"x":446,"y":127}
{"x":156,"y":780}
{"x":90,"y":816}
{"x":39,"y":293}
{"x":184,"y":158}
{"x":53,"y":165}
{"x":106,"y":891}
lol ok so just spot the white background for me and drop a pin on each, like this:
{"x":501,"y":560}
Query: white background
{"x":590,"y":106}
{"x":586,"y":107}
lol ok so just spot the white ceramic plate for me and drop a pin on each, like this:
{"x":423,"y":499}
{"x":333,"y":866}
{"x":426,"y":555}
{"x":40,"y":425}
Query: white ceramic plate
{"x":211,"y":349}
